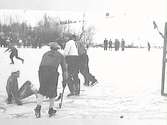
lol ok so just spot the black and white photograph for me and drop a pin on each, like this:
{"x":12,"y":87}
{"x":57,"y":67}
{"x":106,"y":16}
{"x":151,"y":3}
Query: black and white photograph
{"x":83,"y":62}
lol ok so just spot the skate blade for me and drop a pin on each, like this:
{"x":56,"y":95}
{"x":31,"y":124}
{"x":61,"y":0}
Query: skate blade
{"x":52,"y":115}
{"x":94,"y":84}
{"x":37,"y":115}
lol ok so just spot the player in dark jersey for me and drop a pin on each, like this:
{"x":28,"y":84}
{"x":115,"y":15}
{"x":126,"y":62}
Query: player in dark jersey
{"x":13,"y":53}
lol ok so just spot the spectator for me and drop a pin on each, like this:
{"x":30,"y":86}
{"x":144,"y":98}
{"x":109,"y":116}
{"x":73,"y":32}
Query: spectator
{"x":110,"y":44}
{"x":123,"y":44}
{"x":105,"y":44}
{"x":149,"y":46}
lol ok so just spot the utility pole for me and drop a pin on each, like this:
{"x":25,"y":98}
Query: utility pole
{"x":164,"y":61}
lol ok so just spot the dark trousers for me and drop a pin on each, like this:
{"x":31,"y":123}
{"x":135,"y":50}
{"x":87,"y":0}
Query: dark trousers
{"x":84,"y":69}
{"x":16,"y":95}
{"x":105,"y":47}
{"x":110,"y":47}
{"x":12,"y":55}
{"x":26,"y":90}
{"x":73,"y":71}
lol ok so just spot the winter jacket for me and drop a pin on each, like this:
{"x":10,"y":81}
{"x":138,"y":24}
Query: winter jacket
{"x":53,"y":59}
{"x":12,"y":86}
{"x":81,"y":48}
{"x":71,"y":48}
{"x":12,"y":49}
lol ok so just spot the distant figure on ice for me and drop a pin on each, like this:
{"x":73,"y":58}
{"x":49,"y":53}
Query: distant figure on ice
{"x":90,"y":80}
{"x":123,"y":44}
{"x":72,"y":60}
{"x":149,"y":46}
{"x":87,"y":46}
{"x":15,"y":95}
{"x":13,"y":53}
{"x":117,"y":44}
{"x":110,"y":44}
{"x":105,"y":44}
{"x":48,"y":77}
{"x":3,"y":42}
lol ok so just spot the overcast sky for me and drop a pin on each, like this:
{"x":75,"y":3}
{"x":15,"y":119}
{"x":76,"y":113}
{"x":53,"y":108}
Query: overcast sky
{"x":82,"y":5}
{"x":135,"y":8}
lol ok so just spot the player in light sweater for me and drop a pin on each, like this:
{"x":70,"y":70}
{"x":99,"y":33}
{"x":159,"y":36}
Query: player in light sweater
{"x":72,"y":60}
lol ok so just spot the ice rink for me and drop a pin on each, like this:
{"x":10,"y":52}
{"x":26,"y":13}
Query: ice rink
{"x":129,"y":89}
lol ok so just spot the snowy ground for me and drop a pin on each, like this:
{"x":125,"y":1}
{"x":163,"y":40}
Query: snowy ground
{"x":129,"y":86}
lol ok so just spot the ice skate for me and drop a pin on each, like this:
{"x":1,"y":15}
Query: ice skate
{"x":38,"y":111}
{"x":70,"y":94}
{"x":22,"y":61}
{"x":86,"y":83}
{"x":94,"y":83}
{"x":51,"y":112}
{"x":18,"y":102}
{"x":9,"y":100}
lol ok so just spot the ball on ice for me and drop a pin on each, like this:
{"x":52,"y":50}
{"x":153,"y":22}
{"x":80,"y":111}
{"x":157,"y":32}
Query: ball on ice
{"x":121,"y":116}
